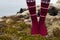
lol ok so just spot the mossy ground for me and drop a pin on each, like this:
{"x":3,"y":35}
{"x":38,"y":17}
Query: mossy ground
{"x":21,"y":31}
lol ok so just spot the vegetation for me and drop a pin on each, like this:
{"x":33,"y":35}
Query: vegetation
{"x":21,"y":31}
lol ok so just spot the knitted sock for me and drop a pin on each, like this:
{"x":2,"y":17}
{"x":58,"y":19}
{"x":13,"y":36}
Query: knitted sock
{"x":44,"y":10}
{"x":32,"y":9}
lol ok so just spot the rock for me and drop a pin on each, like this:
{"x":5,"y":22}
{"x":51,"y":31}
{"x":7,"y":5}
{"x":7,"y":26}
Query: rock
{"x":27,"y":21}
{"x":8,"y":21}
{"x":1,"y":25}
{"x":25,"y":12}
{"x":53,"y":11}
{"x":1,"y":20}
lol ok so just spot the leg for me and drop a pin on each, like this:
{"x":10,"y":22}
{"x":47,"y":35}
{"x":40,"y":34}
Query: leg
{"x":32,"y":9}
{"x":44,"y":10}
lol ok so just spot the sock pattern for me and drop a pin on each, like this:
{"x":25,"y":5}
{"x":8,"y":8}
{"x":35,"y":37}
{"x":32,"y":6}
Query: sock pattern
{"x":32,"y":9}
{"x":43,"y":13}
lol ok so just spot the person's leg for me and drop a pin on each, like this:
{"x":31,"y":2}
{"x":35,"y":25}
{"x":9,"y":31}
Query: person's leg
{"x":32,"y":9}
{"x":43,"y":13}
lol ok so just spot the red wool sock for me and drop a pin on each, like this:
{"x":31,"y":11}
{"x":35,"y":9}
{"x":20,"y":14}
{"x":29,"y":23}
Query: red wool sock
{"x":44,"y":10}
{"x":32,"y":9}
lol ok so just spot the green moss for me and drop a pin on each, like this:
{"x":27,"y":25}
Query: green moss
{"x":19,"y":32}
{"x":5,"y":38}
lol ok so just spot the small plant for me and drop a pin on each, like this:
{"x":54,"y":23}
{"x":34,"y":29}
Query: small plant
{"x":5,"y":38}
{"x":56,"y":32}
